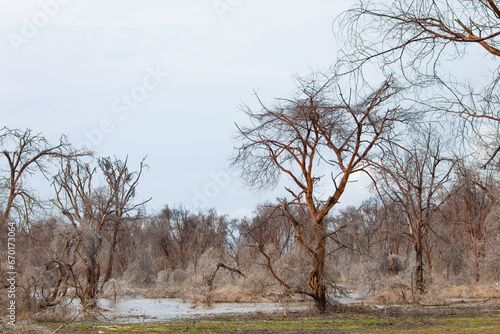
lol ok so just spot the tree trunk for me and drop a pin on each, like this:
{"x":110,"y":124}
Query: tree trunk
{"x":4,"y":218}
{"x":477,"y":256}
{"x":88,"y":291}
{"x":316,"y":278}
{"x":320,"y":298}
{"x":112,"y":249}
{"x":419,"y":268}
{"x":88,"y":297}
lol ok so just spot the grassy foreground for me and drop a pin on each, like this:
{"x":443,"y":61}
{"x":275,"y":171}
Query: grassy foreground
{"x":299,"y":323}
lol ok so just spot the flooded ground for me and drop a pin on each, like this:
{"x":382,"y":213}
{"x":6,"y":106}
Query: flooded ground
{"x":138,"y":310}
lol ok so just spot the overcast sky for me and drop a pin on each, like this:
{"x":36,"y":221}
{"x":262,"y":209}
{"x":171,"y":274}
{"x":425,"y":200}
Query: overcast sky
{"x":160,"y":78}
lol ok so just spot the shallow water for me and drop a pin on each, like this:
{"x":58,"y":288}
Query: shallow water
{"x":137,"y":310}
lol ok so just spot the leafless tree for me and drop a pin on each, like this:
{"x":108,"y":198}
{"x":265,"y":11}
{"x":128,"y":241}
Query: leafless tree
{"x":474,"y":198}
{"x":24,"y":153}
{"x":415,"y":177}
{"x":420,"y":41}
{"x":121,"y":189}
{"x":97,"y":213}
{"x":269,"y":227}
{"x":47,"y":261}
{"x":319,"y":129}
{"x":371,"y":241}
{"x":234,"y":241}
{"x":179,"y":237}
{"x":61,"y":258}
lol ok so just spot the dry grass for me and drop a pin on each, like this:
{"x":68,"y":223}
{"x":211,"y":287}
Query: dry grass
{"x":472,"y":291}
{"x":395,"y":291}
{"x":162,"y":291}
{"x":60,"y":313}
{"x":226,"y":294}
{"x":235,"y":294}
{"x":395,"y":295}
{"x":231,"y":294}
{"x":115,"y":288}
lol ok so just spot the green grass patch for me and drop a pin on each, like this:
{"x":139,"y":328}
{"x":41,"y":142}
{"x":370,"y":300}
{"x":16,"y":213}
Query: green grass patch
{"x":346,"y":323}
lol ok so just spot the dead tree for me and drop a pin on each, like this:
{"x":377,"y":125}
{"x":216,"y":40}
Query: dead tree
{"x":474,"y":198}
{"x":319,"y":128}
{"x":416,"y":40}
{"x":97,"y":213}
{"x":25,"y":153}
{"x":415,"y":178}
{"x":121,"y":186}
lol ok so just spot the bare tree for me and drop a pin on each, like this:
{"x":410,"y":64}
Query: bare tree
{"x":420,"y":42}
{"x":234,"y":241}
{"x":179,"y":237}
{"x":366,"y":231}
{"x":473,"y":200}
{"x":47,"y":262}
{"x":319,"y":128}
{"x":269,"y":227}
{"x":121,"y":189}
{"x":97,"y":213}
{"x":25,"y":153}
{"x":61,"y":260}
{"x":415,"y":178}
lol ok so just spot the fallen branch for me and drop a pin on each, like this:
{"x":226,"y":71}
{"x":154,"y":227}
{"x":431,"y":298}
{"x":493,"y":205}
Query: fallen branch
{"x":210,"y":280}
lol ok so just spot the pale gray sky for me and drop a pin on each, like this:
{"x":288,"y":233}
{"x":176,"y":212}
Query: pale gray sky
{"x":96,"y":71}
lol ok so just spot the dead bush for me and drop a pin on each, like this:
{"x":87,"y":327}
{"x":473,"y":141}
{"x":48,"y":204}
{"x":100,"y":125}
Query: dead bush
{"x":178,"y":277}
{"x":162,"y":291}
{"x":139,"y":273}
{"x":207,"y":261}
{"x":393,"y":290}
{"x":61,"y":313}
{"x":434,"y":296}
{"x":231,"y":294}
{"x":163,"y":277}
{"x":116,"y":288}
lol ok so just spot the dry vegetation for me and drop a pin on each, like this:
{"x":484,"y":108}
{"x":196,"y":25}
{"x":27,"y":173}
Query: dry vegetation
{"x":378,"y":275}
{"x":430,"y":235}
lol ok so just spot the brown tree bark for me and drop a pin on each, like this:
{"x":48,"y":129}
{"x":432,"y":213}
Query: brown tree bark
{"x":316,"y":278}
{"x":419,"y":266}
{"x":305,"y":132}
